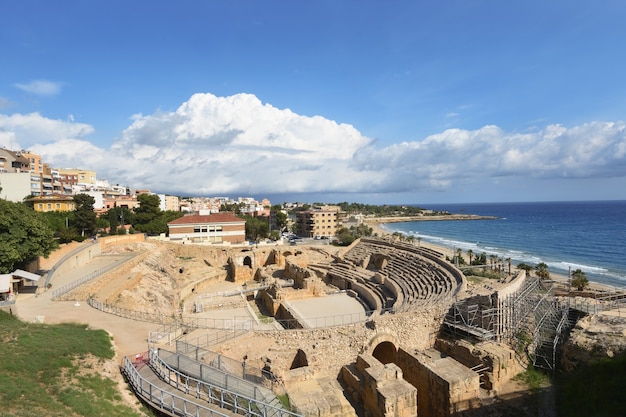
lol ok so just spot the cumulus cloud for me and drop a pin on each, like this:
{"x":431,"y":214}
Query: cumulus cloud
{"x":40,"y":87}
{"x":237,"y":145}
{"x":592,"y":150}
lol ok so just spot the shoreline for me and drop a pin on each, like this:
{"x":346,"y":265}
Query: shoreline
{"x":402,"y":219}
{"x":377,"y":227}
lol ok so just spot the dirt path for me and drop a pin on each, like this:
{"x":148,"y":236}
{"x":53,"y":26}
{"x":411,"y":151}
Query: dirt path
{"x":129,"y":336}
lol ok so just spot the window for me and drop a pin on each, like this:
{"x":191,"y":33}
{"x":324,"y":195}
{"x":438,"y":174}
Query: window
{"x":58,"y":206}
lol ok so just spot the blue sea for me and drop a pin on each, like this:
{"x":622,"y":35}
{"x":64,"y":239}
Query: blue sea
{"x":589,"y":235}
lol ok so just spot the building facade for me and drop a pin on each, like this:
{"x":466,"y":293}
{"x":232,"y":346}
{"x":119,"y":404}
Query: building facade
{"x":212,"y":228}
{"x":318,"y":222}
{"x":53,"y":202}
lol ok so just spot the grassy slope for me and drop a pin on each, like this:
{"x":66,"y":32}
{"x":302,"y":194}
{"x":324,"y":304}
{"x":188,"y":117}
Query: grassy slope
{"x":48,"y":370}
{"x":597,"y":390}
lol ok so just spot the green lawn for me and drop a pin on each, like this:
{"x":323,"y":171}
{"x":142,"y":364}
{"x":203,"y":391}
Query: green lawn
{"x":53,"y":370}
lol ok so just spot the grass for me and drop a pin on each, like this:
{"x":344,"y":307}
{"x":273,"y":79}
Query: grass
{"x":48,"y":370}
{"x":596,"y":390}
{"x":534,"y":379}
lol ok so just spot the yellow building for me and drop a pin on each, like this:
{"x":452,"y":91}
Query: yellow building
{"x":53,"y":202}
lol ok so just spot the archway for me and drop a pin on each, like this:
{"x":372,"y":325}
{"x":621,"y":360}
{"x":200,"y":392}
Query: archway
{"x":247,"y":261}
{"x":300,"y":360}
{"x":385,"y":352}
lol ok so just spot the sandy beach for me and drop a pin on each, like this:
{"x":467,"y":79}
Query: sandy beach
{"x":377,"y":223}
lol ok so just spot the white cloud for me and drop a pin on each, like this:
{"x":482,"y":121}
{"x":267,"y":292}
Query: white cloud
{"x":237,"y":145}
{"x":32,"y":128}
{"x":41,"y":87}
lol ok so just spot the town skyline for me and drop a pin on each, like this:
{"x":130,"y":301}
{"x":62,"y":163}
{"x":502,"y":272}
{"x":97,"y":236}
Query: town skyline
{"x":372,"y":103}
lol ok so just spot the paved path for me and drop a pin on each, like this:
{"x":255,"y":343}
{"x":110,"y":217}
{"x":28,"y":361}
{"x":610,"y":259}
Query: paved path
{"x":129,"y":336}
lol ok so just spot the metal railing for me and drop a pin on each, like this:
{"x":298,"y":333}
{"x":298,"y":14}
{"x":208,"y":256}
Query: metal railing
{"x":58,"y":292}
{"x":214,"y":386}
{"x":162,"y":399}
{"x":131,"y":314}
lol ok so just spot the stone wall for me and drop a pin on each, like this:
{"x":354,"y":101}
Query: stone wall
{"x":121,"y":239}
{"x":444,"y":386}
{"x":379,"y":388}
{"x":498,"y":361}
{"x":92,"y":287}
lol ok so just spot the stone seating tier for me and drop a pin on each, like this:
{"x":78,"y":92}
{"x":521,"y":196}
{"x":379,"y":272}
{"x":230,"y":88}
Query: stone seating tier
{"x":420,"y":274}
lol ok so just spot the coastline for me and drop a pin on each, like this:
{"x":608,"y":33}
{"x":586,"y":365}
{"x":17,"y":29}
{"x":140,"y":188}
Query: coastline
{"x":377,"y":227}
{"x":400,"y":219}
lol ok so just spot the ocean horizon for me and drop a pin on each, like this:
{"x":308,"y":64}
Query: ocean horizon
{"x":590,"y":235}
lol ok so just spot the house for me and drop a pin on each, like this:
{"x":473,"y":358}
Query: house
{"x":53,"y":202}
{"x":211,"y":228}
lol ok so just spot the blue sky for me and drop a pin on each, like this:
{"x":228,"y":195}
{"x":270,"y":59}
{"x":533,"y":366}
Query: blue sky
{"x":398,"y":101}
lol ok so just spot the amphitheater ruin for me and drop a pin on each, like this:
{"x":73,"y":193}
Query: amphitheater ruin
{"x":379,"y":328}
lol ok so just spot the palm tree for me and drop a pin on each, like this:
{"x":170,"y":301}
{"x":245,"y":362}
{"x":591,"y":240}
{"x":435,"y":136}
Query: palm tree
{"x":526,"y":268}
{"x":508,"y":260}
{"x":410,"y":239}
{"x":542,"y":271}
{"x":470,"y":254}
{"x":492,"y":260}
{"x":459,"y":256}
{"x":579,"y":279}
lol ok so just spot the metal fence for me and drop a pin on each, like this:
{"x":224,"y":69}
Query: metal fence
{"x":131,"y":314}
{"x":209,"y":383}
{"x":164,"y":400}
{"x":231,"y":366}
{"x":58,"y":292}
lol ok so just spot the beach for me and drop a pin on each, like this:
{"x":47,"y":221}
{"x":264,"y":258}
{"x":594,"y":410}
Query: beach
{"x":377,"y":228}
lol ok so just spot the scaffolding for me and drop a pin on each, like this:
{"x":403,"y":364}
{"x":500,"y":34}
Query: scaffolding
{"x":530,"y":317}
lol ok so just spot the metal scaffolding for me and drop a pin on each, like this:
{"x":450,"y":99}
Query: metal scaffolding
{"x":530,"y":317}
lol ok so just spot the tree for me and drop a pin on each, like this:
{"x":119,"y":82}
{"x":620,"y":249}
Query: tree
{"x":542,"y":270}
{"x":525,"y":267}
{"x":256,"y":229}
{"x":84,"y":216}
{"x":579,"y":279}
{"x":24,"y":235}
{"x":470,"y":254}
{"x":148,"y":210}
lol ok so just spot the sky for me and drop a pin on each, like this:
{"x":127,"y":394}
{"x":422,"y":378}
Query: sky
{"x":399,"y":102}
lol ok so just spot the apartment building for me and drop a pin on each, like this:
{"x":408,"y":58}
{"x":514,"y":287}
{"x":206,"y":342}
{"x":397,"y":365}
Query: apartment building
{"x":321,"y":221}
{"x":82,"y":178}
{"x":24,"y":174}
{"x":169,"y":202}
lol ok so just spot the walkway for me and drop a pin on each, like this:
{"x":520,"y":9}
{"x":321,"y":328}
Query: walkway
{"x":129,"y":336}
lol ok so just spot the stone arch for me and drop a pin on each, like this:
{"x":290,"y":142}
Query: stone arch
{"x":384,"y":347}
{"x":300,"y":360}
{"x":385,"y":352}
{"x":247,"y":261}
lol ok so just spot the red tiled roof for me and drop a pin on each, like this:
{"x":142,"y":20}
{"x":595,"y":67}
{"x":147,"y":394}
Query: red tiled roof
{"x":211,"y":218}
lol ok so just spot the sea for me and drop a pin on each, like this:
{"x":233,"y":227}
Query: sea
{"x":590,"y":235}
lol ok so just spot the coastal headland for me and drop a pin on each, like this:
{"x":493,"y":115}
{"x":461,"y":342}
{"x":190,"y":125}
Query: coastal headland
{"x":438,"y":217}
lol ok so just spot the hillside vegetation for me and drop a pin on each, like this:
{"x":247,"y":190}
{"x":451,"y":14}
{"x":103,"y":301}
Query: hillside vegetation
{"x":56,"y":370}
